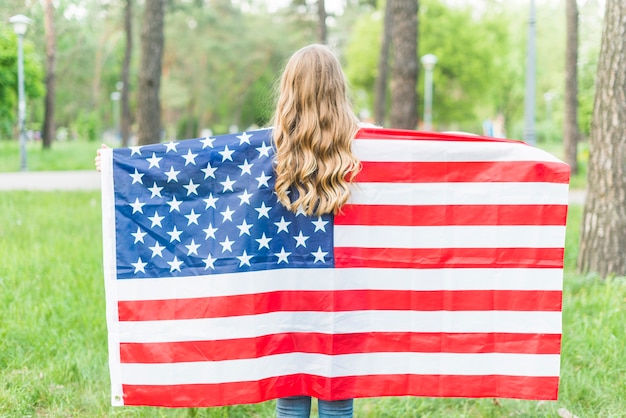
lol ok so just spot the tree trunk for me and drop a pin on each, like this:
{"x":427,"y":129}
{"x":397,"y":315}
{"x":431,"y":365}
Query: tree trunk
{"x":404,"y":68}
{"x":570,"y":124}
{"x":48,"y":129}
{"x":603,"y":229}
{"x":128,"y":29}
{"x":380,"y":104}
{"x":149,"y":114}
{"x":321,"y":25}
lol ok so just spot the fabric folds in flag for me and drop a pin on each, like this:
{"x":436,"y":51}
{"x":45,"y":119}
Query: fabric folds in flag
{"x":442,"y":277}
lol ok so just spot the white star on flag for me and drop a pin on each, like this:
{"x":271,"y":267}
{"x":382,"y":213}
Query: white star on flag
{"x":319,"y":255}
{"x":246,"y":168}
{"x":207,"y":142}
{"x":154,"y":161}
{"x":174,"y":234}
{"x":170,"y":146}
{"x":174,"y":204}
{"x":190,"y":158}
{"x":193,"y":248}
{"x":263,"y":210}
{"x":192,"y":218}
{"x":139,"y":266}
{"x":226,"y":154}
{"x":210,"y":201}
{"x":282,"y":225}
{"x":156,"y":219}
{"x":155,"y":190}
{"x":191,"y":187}
{"x":172,"y":175}
{"x":137,"y":177}
{"x":282,"y":256}
{"x":175,"y":264}
{"x":264,"y":242}
{"x":244,"y":138}
{"x":301,"y":240}
{"x":157,"y":249}
{"x":137,"y":206}
{"x":209,"y":171}
{"x":139,"y":235}
{"x":244,"y":259}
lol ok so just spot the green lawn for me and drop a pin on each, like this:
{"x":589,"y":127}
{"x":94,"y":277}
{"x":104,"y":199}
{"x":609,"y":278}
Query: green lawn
{"x":53,"y":348}
{"x":68,"y":155}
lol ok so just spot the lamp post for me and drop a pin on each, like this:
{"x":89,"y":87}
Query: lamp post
{"x":115,"y":98}
{"x":428,"y":61}
{"x":20,"y":25}
{"x":529,"y":97}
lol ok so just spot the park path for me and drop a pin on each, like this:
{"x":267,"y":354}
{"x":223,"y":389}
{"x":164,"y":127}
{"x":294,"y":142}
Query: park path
{"x":90,"y":180}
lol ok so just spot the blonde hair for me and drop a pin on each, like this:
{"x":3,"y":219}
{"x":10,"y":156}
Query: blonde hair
{"x":313,"y":130}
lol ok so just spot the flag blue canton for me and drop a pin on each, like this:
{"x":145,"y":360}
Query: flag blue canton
{"x":207,"y":206}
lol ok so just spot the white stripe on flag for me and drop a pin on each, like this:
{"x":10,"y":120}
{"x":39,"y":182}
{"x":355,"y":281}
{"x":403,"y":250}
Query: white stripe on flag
{"x":390,"y":150}
{"x":250,"y":326}
{"x":449,"y":236}
{"x":459,"y":194}
{"x":341,"y":365}
{"x":340,"y":279}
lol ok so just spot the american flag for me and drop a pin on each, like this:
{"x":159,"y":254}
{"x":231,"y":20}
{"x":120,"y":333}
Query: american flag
{"x":442,"y":277}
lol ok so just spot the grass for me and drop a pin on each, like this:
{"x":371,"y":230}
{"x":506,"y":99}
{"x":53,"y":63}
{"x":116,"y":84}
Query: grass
{"x":53,"y":349}
{"x":68,"y":155}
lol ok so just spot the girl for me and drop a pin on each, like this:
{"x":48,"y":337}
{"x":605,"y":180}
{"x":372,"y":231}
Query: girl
{"x":313,"y":130}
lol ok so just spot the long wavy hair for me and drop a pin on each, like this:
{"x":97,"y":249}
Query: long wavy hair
{"x":313,"y":129}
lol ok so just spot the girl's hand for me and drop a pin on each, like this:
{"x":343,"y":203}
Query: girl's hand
{"x":97,"y":159}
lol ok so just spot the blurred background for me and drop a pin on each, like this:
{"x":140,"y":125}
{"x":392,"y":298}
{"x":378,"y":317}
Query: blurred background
{"x":221,"y":58}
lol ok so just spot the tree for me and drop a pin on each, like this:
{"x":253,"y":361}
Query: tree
{"x":404,"y":69}
{"x":380,"y":97}
{"x":603,"y":229}
{"x":321,"y":17}
{"x":128,"y":50}
{"x":48,"y":130}
{"x":33,"y":79}
{"x":570,"y":124}
{"x":152,"y":39}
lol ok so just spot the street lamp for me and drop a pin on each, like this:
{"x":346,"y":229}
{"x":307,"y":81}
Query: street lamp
{"x":20,"y":25}
{"x":428,"y":61}
{"x":529,"y":97}
{"x":115,"y":98}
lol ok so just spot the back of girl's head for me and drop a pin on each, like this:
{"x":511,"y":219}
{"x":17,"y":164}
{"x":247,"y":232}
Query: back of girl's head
{"x":313,"y":130}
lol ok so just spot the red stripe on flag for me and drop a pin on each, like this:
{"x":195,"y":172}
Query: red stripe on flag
{"x":422,"y":258}
{"x":403,"y":134}
{"x":444,"y":215}
{"x":337,"y":344}
{"x":340,"y":301}
{"x":466,"y":171}
{"x":205,"y":395}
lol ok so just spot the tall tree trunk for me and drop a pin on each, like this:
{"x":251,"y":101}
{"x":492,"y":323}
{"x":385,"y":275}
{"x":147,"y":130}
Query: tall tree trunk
{"x":603,"y":229}
{"x":128,"y":29}
{"x":149,"y":114}
{"x":570,"y":124}
{"x":380,"y":104}
{"x":48,"y":129}
{"x":321,"y":25}
{"x":404,"y":68}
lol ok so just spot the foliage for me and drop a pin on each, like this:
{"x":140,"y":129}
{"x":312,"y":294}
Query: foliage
{"x":33,"y":78}
{"x":222,"y":58}
{"x":53,"y":350}
{"x":473,"y":75}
